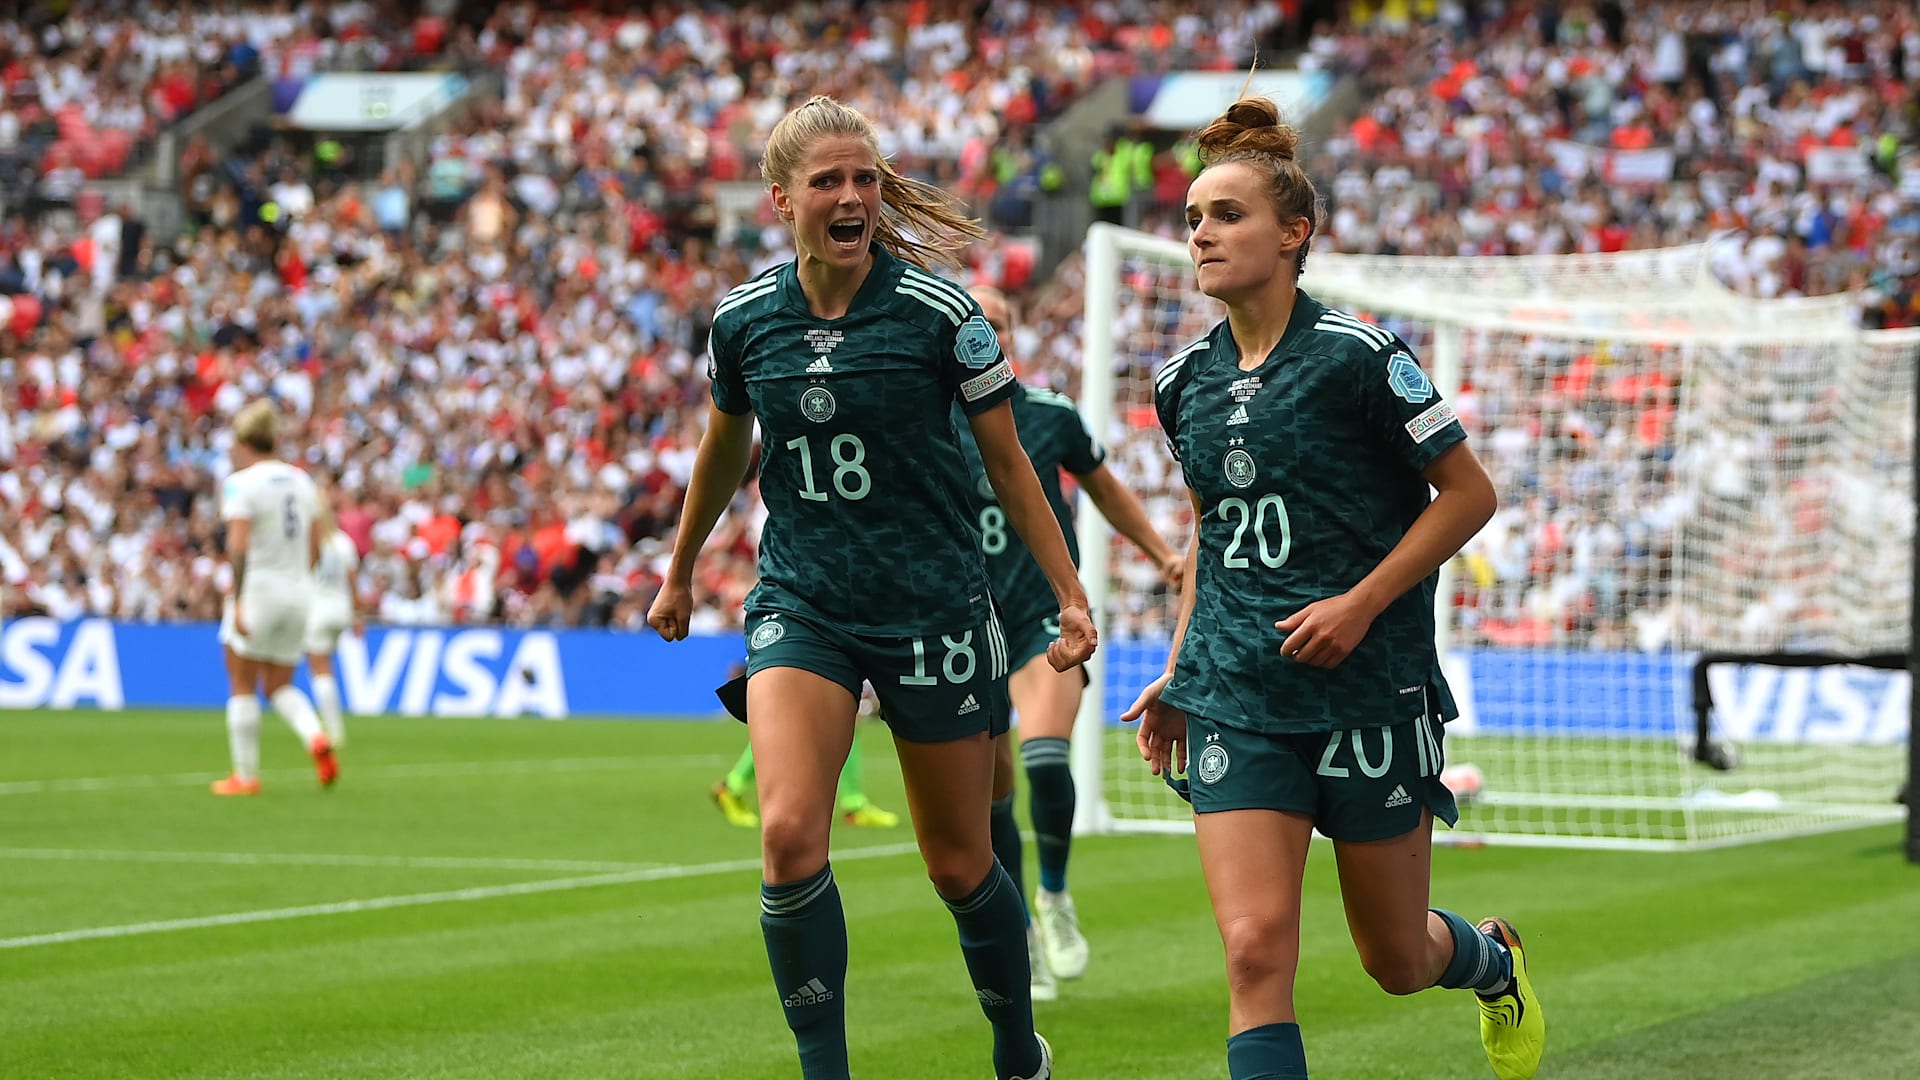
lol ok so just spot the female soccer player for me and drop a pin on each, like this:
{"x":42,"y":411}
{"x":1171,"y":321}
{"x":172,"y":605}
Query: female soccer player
{"x":273,"y":540}
{"x":850,"y":357}
{"x":335,"y":608}
{"x":1303,"y":666}
{"x":1046,"y":701}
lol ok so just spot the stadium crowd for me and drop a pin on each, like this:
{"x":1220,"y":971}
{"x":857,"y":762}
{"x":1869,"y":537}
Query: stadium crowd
{"x":495,"y":357}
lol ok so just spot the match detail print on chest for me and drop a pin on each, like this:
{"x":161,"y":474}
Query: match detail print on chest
{"x":1239,"y":465}
{"x":816,"y":400}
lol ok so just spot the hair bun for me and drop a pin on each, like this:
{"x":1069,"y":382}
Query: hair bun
{"x":1250,"y":125}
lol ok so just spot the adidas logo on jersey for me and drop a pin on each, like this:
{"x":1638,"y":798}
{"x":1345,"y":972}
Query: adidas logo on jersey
{"x":969,"y":706}
{"x":814,"y":993}
{"x":1239,"y":416}
{"x":1399,"y":797}
{"x":820,"y":367}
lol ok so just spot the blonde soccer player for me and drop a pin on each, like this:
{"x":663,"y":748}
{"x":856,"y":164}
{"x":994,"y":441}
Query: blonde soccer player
{"x":271,"y":511}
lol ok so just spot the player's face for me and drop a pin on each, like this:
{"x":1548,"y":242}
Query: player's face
{"x":834,"y":202}
{"x":1234,"y":236}
{"x":993,"y":308}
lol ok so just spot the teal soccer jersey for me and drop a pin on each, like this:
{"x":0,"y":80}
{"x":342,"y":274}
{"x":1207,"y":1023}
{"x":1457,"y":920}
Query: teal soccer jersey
{"x":1308,"y":472}
{"x":1055,"y":438}
{"x":862,"y":475}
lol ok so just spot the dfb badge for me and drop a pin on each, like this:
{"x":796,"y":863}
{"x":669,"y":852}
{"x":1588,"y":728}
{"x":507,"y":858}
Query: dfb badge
{"x":816,"y":404}
{"x":766,"y":634}
{"x":1239,"y":468}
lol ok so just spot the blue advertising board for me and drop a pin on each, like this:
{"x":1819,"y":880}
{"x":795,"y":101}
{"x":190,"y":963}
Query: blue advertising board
{"x":490,"y":671}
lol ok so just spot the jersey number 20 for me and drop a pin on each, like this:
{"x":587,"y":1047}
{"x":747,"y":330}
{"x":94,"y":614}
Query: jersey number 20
{"x":1256,"y":515}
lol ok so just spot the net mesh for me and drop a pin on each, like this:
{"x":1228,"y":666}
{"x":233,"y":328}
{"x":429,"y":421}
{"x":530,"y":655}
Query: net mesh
{"x":1673,"y":477}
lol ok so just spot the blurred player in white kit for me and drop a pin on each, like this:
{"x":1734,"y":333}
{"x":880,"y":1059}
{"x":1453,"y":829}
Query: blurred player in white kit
{"x":271,"y":511}
{"x":335,"y":608}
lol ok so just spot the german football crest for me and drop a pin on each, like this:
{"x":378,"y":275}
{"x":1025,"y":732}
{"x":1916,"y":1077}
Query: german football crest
{"x":1212,"y":764}
{"x":1408,"y":381}
{"x":816,"y":404}
{"x":767,"y":633}
{"x":1239,"y":467}
{"x":975,"y":345}
{"x":984,"y":486}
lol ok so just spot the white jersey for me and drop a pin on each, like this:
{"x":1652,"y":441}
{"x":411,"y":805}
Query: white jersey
{"x":331,"y":576}
{"x":280,"y":501}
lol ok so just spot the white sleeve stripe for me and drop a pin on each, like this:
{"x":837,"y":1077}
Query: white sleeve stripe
{"x":939,"y":284}
{"x":934,"y":302}
{"x":1045,"y":397}
{"x":1349,"y":331}
{"x":1336,"y":320}
{"x":1170,"y":372}
{"x":738,"y":297}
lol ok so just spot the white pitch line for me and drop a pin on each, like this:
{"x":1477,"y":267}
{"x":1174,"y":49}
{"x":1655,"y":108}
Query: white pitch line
{"x":252,"y":858}
{"x":453,"y":896}
{"x":414,"y":771}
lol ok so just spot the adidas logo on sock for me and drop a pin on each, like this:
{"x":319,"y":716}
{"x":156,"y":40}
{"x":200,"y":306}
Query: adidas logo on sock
{"x":969,"y":706}
{"x":814,"y":993}
{"x":820,"y":367}
{"x":1239,"y":416}
{"x":1399,"y":797}
{"x":991,"y":999}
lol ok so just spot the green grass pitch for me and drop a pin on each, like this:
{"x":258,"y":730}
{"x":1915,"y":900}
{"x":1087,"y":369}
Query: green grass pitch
{"x":483,"y":899}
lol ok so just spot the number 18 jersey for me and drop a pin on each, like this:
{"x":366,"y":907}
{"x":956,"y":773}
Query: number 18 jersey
{"x":862,"y":476}
{"x":1308,"y":472}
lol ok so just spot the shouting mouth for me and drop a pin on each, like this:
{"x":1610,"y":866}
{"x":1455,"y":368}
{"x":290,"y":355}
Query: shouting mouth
{"x":847,"y":232}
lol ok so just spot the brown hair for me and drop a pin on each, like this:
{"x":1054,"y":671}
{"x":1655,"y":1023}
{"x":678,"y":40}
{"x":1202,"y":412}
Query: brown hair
{"x":1250,"y":131}
{"x":258,"y":426}
{"x":919,"y":222}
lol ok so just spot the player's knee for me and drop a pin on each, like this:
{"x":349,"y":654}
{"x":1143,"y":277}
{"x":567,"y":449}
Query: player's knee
{"x":1398,"y":974}
{"x":1260,"y":951}
{"x":792,"y":846}
{"x":957,"y":873}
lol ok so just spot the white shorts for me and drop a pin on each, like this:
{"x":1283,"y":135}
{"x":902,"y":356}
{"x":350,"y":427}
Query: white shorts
{"x":276,"y":628}
{"x":325,"y":624}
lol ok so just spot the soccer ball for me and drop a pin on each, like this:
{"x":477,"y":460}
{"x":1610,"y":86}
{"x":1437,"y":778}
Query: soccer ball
{"x":1464,"y":780}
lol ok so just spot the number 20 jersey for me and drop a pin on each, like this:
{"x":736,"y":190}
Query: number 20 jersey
{"x":1308,"y":472}
{"x":865,"y":487}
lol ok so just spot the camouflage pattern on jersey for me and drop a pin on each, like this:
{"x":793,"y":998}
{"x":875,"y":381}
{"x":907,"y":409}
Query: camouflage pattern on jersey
{"x":867,"y":528}
{"x":1054,"y":437}
{"x":1308,"y":471}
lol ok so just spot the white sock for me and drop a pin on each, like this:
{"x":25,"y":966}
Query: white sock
{"x":297,"y":711}
{"x":326,"y":698}
{"x":243,"y":735}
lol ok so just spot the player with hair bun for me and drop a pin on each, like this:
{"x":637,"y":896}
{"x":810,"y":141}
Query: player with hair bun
{"x":1304,"y":688}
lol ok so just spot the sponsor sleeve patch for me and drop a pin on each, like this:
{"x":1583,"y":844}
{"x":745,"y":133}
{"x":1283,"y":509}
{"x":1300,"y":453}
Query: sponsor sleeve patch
{"x":987,"y":382}
{"x":976,"y":345}
{"x":1427,"y":424}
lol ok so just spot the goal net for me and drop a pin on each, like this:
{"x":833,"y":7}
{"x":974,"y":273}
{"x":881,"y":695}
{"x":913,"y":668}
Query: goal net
{"x":1681,"y":471}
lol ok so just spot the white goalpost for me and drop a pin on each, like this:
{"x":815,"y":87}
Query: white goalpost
{"x":1682,"y":471}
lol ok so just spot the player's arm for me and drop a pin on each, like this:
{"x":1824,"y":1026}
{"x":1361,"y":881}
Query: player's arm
{"x":718,"y":468}
{"x":1123,"y":511}
{"x":316,"y":543}
{"x":1464,"y":503}
{"x":239,"y":533}
{"x":1188,"y":573}
{"x":1017,"y":487}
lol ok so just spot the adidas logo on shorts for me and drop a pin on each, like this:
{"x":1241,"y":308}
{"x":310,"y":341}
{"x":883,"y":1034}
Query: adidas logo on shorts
{"x":820,"y":367}
{"x":814,"y":993}
{"x":1399,"y":797}
{"x":969,"y":706}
